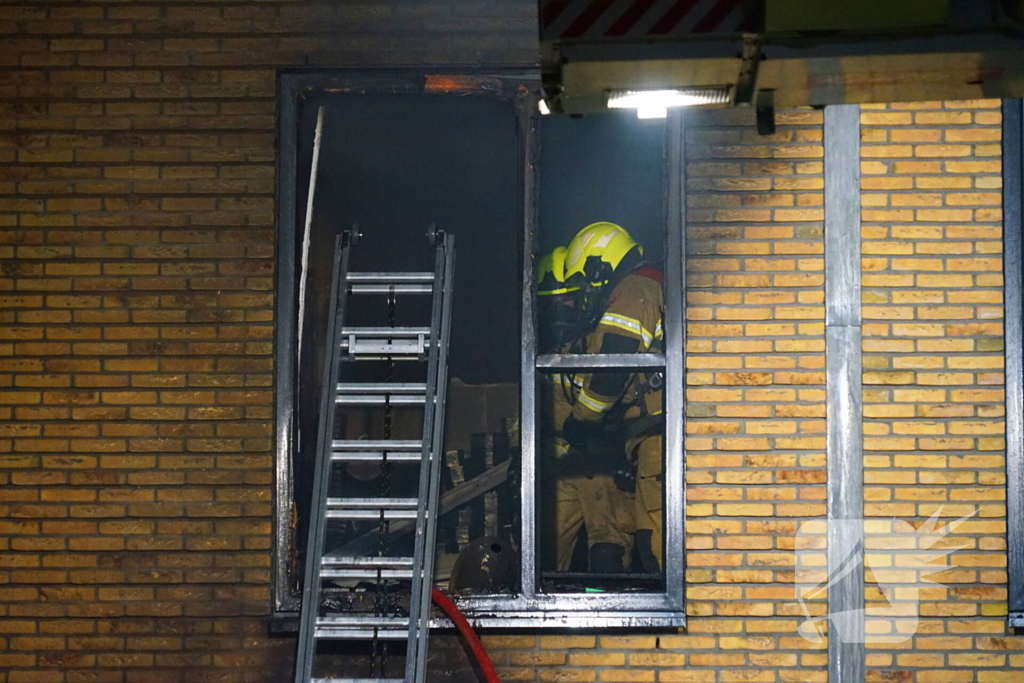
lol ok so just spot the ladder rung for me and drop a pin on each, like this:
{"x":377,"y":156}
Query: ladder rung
{"x":391,"y":289}
{"x":382,"y":388}
{"x":374,"y":456}
{"x":379,"y":394}
{"x":387,"y":283}
{"x":350,"y":633}
{"x":372,"y":508}
{"x":358,"y":627}
{"x":385,"y":341}
{"x":391,"y":278}
{"x":374,"y":503}
{"x":385,"y":332}
{"x":336,"y":561}
{"x":371,"y":400}
{"x":366,"y":567}
{"x":398,"y":451}
{"x":366,"y":573}
{"x":389,"y":515}
{"x":389,"y":445}
{"x":354,"y":620}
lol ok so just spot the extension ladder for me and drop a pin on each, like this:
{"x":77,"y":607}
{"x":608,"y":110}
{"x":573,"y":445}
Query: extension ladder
{"x":388,"y":343}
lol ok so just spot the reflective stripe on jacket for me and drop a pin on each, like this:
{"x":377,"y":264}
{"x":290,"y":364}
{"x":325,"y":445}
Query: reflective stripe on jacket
{"x":632,"y":321}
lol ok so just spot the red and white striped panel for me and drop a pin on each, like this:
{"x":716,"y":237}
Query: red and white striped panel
{"x":562,"y":19}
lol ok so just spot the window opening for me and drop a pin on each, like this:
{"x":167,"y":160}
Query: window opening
{"x":599,"y":431}
{"x":395,"y":157}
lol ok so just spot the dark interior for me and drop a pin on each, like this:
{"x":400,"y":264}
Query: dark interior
{"x":395,"y":164}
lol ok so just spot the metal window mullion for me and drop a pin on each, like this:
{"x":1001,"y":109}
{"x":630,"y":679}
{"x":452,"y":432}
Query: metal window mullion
{"x":1013,"y":224}
{"x":284,"y":346}
{"x":527,"y":111}
{"x":844,"y":396}
{"x":674,"y":503}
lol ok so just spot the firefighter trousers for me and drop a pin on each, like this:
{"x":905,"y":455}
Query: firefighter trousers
{"x":605,"y":509}
{"x":650,"y":536}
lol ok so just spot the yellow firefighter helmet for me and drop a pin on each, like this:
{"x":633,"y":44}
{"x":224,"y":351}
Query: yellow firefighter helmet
{"x":596,"y":251}
{"x":551,"y":278}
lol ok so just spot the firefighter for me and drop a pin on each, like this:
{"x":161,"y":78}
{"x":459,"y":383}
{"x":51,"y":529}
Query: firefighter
{"x":584,"y":494}
{"x":621,"y":308}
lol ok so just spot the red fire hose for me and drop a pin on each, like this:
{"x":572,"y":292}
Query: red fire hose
{"x":453,"y":613}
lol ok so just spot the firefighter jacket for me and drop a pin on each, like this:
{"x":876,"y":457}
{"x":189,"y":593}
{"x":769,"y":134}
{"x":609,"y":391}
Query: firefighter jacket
{"x":631,"y":323}
{"x":560,"y":392}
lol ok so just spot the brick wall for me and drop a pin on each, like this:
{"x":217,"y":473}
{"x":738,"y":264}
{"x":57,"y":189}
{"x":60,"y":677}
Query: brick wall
{"x":137,"y":148}
{"x":933,"y":396}
{"x":136,"y":299}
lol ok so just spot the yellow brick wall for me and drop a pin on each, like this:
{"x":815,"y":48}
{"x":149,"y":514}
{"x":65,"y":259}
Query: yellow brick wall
{"x":137,"y":156}
{"x":137,"y":198}
{"x":933,"y":373}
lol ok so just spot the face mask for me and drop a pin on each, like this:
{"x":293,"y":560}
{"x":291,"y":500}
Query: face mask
{"x":559,"y":321}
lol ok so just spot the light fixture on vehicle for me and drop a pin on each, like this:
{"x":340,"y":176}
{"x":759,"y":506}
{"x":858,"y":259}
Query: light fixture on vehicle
{"x":655,"y":103}
{"x":648,"y":111}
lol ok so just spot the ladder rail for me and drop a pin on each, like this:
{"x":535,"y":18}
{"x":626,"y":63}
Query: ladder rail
{"x":422,"y":511}
{"x":433,"y":438}
{"x":321,"y":477}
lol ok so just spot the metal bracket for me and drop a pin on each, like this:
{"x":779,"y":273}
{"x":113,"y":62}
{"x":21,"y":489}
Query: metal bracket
{"x":765,"y":112}
{"x":351,"y":236}
{"x":746,"y":82}
{"x":434,"y":235}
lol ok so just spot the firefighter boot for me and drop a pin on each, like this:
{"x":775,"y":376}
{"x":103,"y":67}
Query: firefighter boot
{"x":606,"y":558}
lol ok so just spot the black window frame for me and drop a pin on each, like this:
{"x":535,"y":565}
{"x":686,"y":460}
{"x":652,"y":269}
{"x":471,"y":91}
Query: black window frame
{"x":1013,"y":225}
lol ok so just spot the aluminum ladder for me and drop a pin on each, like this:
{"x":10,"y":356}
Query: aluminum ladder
{"x":379,"y":343}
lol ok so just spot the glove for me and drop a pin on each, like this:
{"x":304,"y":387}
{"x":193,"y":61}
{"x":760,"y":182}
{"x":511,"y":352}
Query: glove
{"x":601,"y":445}
{"x":625,"y":479}
{"x":579,"y":433}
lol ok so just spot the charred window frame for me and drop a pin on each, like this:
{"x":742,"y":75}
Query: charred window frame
{"x":529,"y":607}
{"x":1013,"y":225}
{"x":507,"y":84}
